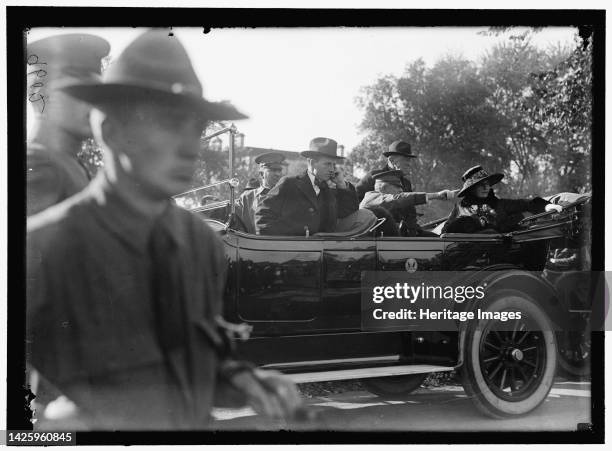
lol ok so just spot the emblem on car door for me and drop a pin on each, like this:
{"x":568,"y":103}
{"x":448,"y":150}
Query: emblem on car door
{"x":411,"y":265}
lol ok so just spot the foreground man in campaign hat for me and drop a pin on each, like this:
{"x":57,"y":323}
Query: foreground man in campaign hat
{"x":270,"y":171}
{"x":124,"y":288}
{"x":61,"y":123}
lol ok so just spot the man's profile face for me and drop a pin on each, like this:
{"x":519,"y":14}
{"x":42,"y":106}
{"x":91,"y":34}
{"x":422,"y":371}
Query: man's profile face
{"x":271,"y":176}
{"x":323,"y":168}
{"x":162,"y":143}
{"x":400,"y":162}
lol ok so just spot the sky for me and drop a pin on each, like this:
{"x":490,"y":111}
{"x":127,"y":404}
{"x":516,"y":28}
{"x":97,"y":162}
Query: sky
{"x":298,"y":83}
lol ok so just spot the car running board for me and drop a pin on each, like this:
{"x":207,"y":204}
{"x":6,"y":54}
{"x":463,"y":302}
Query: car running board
{"x":362,"y":373}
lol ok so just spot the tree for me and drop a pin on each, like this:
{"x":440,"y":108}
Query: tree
{"x":519,"y":110}
{"x":564,"y":109}
{"x":443,"y":112}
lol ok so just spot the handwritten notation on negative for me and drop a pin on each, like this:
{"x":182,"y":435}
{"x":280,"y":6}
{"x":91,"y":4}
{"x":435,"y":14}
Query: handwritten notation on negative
{"x":35,"y":95}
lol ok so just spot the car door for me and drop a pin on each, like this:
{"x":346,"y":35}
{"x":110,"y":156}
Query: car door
{"x":278,"y":283}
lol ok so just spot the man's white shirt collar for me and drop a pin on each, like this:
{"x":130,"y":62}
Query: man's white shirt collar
{"x":311,"y":176}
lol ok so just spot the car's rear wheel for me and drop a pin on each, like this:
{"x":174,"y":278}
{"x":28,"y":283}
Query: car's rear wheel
{"x":509,"y":367}
{"x":394,"y":385}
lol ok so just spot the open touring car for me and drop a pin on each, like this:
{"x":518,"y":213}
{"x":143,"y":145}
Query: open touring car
{"x":302,"y":298}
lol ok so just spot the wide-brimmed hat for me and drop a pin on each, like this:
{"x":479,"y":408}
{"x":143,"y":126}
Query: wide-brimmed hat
{"x":400,"y":148}
{"x":73,"y":55}
{"x":272,"y":160}
{"x":476,"y":175}
{"x":154,"y":67}
{"x":322,"y":147}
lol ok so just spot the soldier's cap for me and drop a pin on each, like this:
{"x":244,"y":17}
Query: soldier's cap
{"x":393,"y":176}
{"x":400,"y":148}
{"x":272,"y":160}
{"x":476,"y":175}
{"x":154,"y":67}
{"x":322,"y":147}
{"x":75,"y":55}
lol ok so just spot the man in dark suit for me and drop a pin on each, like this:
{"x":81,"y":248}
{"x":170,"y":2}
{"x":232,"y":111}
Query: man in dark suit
{"x":311,"y":202}
{"x":61,"y":123}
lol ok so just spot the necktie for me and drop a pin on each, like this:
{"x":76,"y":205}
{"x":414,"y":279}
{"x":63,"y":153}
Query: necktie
{"x":166,"y":288}
{"x":317,"y":186}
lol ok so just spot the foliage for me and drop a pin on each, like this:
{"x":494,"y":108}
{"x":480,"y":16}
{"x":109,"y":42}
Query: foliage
{"x":519,"y":110}
{"x":91,"y":156}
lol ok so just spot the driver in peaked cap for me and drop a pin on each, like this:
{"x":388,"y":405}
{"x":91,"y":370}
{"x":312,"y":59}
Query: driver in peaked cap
{"x":125,"y":288}
{"x":270,"y":171}
{"x":61,"y":123}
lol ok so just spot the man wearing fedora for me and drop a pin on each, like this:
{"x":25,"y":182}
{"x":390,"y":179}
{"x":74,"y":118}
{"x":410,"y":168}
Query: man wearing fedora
{"x":389,"y":196}
{"x":399,"y":156}
{"x":316,"y":201}
{"x":270,"y":172}
{"x":125,"y":288}
{"x":61,"y":123}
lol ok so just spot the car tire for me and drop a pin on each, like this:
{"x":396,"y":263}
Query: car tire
{"x":394,"y":385}
{"x":521,"y":353}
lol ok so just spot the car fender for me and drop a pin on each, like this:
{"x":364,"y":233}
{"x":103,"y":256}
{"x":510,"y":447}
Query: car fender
{"x":514,"y":278}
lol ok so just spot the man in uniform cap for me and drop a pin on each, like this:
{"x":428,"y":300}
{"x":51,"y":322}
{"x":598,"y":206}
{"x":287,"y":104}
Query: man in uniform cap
{"x":312,"y":202}
{"x":399,"y":156}
{"x":54,"y":172}
{"x":270,"y":172}
{"x":125,"y":289}
{"x":390,"y":196}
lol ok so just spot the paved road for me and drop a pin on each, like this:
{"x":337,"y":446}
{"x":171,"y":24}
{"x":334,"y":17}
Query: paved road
{"x":427,"y":409}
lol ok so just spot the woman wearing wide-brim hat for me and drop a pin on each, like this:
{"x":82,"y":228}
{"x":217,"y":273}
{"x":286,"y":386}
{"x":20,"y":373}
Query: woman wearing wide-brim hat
{"x":480,"y":211}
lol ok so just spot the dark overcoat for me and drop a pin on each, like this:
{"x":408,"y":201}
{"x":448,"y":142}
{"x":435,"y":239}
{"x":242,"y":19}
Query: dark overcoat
{"x":472,"y":215}
{"x":292,"y":206}
{"x":367,"y":183}
{"x":409,"y":213}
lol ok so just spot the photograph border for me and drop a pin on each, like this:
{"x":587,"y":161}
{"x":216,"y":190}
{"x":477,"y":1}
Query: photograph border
{"x":20,"y":18}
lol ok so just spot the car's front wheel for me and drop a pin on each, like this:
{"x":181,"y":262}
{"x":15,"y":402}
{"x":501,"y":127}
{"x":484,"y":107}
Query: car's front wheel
{"x":509,"y":367}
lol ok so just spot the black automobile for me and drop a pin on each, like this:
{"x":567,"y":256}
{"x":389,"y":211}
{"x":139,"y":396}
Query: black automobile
{"x":302,"y":298}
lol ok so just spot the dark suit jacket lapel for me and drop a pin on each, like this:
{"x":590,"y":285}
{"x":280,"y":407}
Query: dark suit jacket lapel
{"x":305,"y":186}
